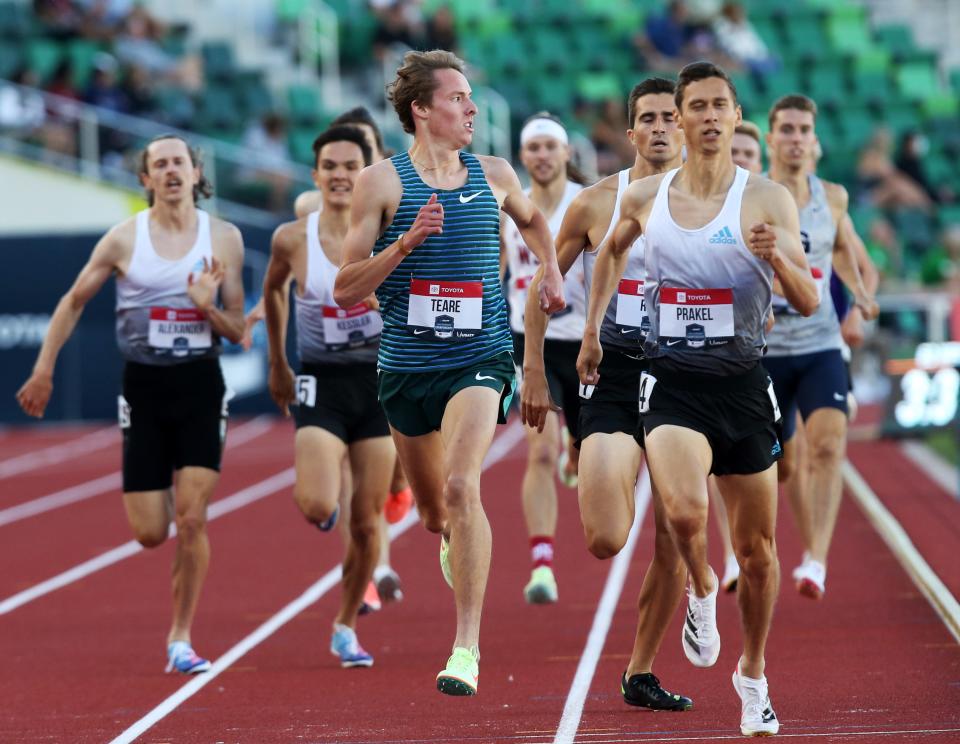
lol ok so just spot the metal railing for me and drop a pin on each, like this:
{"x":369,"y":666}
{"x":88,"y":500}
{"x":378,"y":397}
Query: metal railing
{"x":320,"y":43}
{"x":106,"y":144}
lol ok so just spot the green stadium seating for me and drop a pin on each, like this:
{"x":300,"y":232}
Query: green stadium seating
{"x":43,"y":57}
{"x":896,"y":39}
{"x":917,"y":81}
{"x":218,"y":61}
{"x":304,"y":106}
{"x":11,"y":58}
{"x":81,"y":54}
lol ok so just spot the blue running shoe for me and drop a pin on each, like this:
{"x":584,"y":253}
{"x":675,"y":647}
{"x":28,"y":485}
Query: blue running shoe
{"x":182,"y":658}
{"x":330,"y":522}
{"x":345,"y":645}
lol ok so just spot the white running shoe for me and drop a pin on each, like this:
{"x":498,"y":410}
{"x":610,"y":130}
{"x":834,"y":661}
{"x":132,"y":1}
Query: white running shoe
{"x":798,"y":571}
{"x":811,"y":579}
{"x":731,"y":574}
{"x":756,"y":713}
{"x":700,"y":638}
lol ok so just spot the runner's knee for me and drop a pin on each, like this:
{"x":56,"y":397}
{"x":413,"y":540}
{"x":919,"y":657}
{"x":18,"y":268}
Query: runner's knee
{"x":542,"y":456}
{"x":826,"y":449}
{"x":364,"y":528}
{"x":460,"y":492}
{"x":150,"y":535}
{"x":313,"y":506}
{"x":190,"y":526}
{"x":605,"y":543}
{"x":688,"y":524}
{"x":757,"y":556}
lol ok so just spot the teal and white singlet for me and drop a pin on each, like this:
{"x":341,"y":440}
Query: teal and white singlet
{"x":443,"y":306}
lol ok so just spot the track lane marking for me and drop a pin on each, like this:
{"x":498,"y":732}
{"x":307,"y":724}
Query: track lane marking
{"x":113,"y":481}
{"x":896,"y":538}
{"x":612,"y":589}
{"x":219,"y":508}
{"x":500,"y":448}
{"x":933,"y":466}
{"x":57,"y":453}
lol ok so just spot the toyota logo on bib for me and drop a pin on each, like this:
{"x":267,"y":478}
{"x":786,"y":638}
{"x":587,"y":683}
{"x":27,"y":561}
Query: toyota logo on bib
{"x":681,"y":296}
{"x":435,"y":289}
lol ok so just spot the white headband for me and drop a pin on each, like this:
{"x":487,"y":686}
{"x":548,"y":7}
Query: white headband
{"x":543,"y":128}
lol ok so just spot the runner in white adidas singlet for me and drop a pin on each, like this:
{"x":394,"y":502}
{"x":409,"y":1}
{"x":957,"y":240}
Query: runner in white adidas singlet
{"x":179,"y":290}
{"x":715,"y":237}
{"x":337,"y":413}
{"x":545,"y":153}
{"x":610,"y":453}
{"x":804,"y":355}
{"x":424,"y":234}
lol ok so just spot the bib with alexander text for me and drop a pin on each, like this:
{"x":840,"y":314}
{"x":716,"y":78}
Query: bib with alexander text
{"x":632,"y":319}
{"x":448,"y":311}
{"x":694,"y":318}
{"x":178,"y":332}
{"x":347,"y":329}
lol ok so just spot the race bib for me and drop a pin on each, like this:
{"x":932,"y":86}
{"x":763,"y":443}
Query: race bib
{"x":449,"y":311}
{"x":178,"y":331}
{"x":123,"y":412}
{"x":307,"y":390}
{"x":694,"y":318}
{"x":346,"y":329}
{"x":632,"y":319}
{"x":782,"y":307}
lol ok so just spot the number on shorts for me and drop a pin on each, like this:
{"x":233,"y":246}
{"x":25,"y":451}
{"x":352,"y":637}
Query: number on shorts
{"x":307,"y":390}
{"x":586,"y":391}
{"x":123,"y":412}
{"x":647,"y":381}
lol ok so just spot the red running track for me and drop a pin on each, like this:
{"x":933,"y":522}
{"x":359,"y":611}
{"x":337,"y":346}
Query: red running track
{"x":872,"y":662}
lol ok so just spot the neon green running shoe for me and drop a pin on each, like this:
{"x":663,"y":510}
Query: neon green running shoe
{"x":462,"y":672}
{"x":445,"y":561}
{"x":542,"y":588}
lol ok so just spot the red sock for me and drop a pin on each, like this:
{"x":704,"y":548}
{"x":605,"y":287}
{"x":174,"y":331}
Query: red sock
{"x":541,"y":550}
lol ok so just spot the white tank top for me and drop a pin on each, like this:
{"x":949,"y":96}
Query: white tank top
{"x":625,"y":322}
{"x":327,"y":333}
{"x":568,"y":324}
{"x":157,"y":322}
{"x":708,"y":294}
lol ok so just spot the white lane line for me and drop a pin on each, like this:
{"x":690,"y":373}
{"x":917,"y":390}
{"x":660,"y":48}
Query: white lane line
{"x":500,"y":447}
{"x":82,"y":491}
{"x":620,"y":738}
{"x":893,"y":534}
{"x":939,"y":470}
{"x":573,"y":708}
{"x":57,"y":453}
{"x":217,"y":509}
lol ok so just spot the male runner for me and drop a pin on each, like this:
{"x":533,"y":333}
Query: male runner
{"x":338,"y":416}
{"x":745,"y":147}
{"x":430,"y":218}
{"x":545,"y":153}
{"x":715,"y":237}
{"x":386,"y":585}
{"x":609,"y":452}
{"x":804,"y":355}
{"x":179,"y":290}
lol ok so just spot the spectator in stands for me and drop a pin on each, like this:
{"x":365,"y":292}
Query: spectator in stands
{"x":267,"y":139}
{"x":60,"y":18}
{"x":442,"y":31}
{"x":22,"y":110}
{"x":139,"y":44}
{"x":104,"y":90}
{"x":885,"y":185}
{"x":884,"y":249}
{"x":740,"y":41}
{"x":671,"y":40}
{"x":913,"y":146}
{"x":138,"y":86}
{"x":609,"y":136}
{"x":61,"y":82}
{"x":398,"y":23}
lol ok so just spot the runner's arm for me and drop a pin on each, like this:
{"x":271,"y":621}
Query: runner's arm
{"x":361,"y":273}
{"x":227,"y":320}
{"x":276,"y":305}
{"x":849,"y":258}
{"x":533,"y":228}
{"x":535,"y":399}
{"x":778,"y":242}
{"x":35,"y":393}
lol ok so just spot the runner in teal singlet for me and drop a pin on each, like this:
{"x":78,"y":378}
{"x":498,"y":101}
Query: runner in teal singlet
{"x":424,"y":234}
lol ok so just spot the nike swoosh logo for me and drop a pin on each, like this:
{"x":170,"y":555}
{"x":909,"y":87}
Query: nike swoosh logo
{"x":465,"y":199}
{"x":674,"y":342}
{"x":481,"y":378}
{"x":626,"y":330}
{"x":837,"y":396}
{"x":420,"y":333}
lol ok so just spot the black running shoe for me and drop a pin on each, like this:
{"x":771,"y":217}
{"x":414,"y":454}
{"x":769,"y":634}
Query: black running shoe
{"x":644,"y":690}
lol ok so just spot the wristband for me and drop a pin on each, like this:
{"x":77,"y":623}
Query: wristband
{"x":401,"y":246}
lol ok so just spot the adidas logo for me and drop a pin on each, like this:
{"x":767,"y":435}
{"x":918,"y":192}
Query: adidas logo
{"x":723,"y":237}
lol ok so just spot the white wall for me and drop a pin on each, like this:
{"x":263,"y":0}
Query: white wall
{"x":37,"y":200}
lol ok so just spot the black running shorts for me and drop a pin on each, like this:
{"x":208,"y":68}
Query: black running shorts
{"x":560,"y":365}
{"x":612,"y":405}
{"x":342,"y":399}
{"x":738,"y":415}
{"x":172,"y":417}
